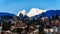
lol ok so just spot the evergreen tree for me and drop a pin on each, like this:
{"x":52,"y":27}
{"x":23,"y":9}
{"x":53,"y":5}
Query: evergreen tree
{"x":41,"y":27}
{"x":6,"y":25}
{"x":55,"y":17}
{"x":21,"y":16}
{"x":42,"y":15}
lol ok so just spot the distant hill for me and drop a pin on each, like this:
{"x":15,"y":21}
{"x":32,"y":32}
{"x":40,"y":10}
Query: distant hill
{"x":6,"y":15}
{"x":2,"y":14}
{"x":52,"y":12}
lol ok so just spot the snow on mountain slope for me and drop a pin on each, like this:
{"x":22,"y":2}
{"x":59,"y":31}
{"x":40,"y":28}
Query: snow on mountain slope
{"x":35,"y":11}
{"x":32,"y":12}
{"x":23,"y":12}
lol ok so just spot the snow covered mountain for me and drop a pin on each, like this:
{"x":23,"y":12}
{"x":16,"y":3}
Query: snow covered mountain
{"x":32,"y":12}
{"x":35,"y":11}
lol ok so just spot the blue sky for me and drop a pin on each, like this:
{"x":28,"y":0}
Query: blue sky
{"x":14,"y":6}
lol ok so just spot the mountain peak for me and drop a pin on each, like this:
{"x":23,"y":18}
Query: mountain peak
{"x":35,"y":11}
